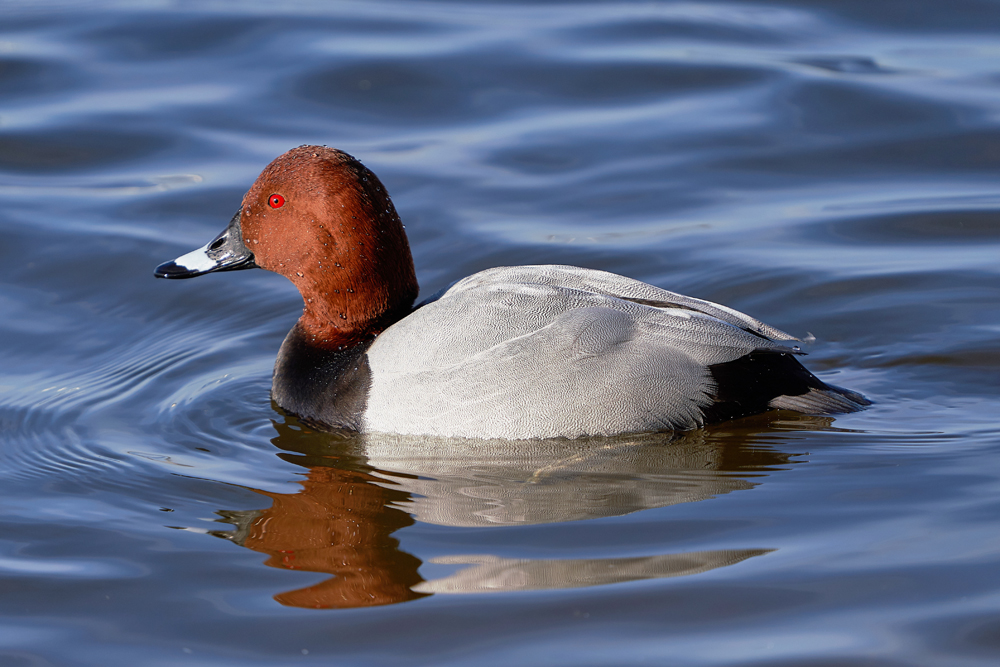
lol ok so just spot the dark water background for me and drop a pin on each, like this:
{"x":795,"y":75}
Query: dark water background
{"x":828,"y":166}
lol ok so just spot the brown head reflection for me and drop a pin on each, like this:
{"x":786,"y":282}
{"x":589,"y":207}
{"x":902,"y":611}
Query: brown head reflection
{"x":340,"y":523}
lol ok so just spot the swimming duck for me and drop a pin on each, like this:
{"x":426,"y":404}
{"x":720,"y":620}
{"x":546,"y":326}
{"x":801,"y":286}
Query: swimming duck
{"x":511,"y":352}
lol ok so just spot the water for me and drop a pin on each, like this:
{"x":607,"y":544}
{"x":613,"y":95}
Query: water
{"x":828,"y":167}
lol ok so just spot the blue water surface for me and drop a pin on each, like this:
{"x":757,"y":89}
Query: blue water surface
{"x":829,"y":167}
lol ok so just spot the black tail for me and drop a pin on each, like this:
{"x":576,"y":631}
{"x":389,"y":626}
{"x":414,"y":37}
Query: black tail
{"x":767,"y":379}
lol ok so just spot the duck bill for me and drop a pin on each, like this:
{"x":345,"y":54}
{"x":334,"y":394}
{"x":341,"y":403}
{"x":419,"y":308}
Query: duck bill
{"x":226,"y":252}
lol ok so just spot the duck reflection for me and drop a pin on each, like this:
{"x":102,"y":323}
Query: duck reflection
{"x":340,"y":523}
{"x":359,"y":490}
{"x":492,"y":573}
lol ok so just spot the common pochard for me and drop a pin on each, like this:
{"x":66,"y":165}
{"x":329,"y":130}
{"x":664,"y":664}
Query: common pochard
{"x":510,"y":352}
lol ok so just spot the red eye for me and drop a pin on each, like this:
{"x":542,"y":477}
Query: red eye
{"x":276,"y":201}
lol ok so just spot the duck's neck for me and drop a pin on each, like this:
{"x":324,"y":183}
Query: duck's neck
{"x":364,"y":281}
{"x":342,"y":317}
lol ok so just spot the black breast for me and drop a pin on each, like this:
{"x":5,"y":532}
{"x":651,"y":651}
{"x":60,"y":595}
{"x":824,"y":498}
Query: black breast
{"x":326,"y":387}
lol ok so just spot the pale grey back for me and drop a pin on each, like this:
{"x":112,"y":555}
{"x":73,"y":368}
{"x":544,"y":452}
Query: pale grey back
{"x":545,"y":351}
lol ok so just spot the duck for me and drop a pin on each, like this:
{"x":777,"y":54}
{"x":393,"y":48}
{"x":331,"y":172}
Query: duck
{"x":513,"y":352}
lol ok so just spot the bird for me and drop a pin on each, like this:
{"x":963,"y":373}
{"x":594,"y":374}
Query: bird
{"x":515,"y":352}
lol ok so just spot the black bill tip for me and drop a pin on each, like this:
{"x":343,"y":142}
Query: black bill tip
{"x":173,"y":270}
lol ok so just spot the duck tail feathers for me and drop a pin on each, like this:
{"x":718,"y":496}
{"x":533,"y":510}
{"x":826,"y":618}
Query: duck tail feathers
{"x":828,"y":400}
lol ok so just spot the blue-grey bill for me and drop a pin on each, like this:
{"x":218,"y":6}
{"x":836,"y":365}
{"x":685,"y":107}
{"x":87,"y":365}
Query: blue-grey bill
{"x":226,"y":252}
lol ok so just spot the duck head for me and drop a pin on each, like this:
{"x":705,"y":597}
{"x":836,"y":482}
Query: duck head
{"x":320,"y":218}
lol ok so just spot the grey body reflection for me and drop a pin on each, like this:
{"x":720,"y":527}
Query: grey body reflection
{"x":501,"y":483}
{"x":359,"y":489}
{"x":491,"y":573}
